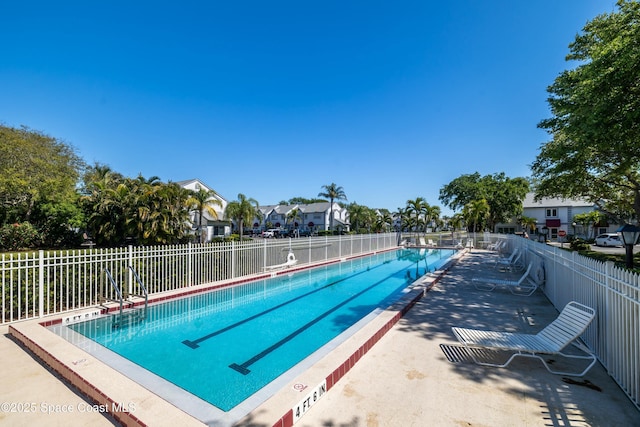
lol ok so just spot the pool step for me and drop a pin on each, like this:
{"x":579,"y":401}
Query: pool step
{"x":128,"y":318}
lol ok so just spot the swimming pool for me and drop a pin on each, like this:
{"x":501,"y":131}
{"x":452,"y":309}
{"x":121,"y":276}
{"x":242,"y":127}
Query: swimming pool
{"x":223,"y":346}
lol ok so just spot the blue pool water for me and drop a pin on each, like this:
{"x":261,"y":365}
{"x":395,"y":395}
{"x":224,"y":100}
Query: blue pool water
{"x":224,"y":345}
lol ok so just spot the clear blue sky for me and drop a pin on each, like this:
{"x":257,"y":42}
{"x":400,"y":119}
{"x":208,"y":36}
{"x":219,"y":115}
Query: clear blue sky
{"x":390,"y":100}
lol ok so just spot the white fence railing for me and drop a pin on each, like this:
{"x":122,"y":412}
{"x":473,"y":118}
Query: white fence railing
{"x":41,"y":283}
{"x":614,"y":292}
{"x":36,"y":284}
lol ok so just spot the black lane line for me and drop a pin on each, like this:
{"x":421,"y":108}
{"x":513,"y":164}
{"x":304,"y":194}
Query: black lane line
{"x":242,"y":368}
{"x":195,"y":343}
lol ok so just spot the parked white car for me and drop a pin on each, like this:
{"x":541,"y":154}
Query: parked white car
{"x":609,"y":239}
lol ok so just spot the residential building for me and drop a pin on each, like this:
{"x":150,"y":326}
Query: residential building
{"x":210,"y":226}
{"x":554,"y":216}
{"x":313,"y":217}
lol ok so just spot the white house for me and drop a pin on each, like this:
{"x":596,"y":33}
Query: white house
{"x":213,"y":227}
{"x":555,"y":214}
{"x":313,"y":217}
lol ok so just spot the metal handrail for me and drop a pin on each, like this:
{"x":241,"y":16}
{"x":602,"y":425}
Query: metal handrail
{"x":115,"y":286}
{"x":146,"y":294}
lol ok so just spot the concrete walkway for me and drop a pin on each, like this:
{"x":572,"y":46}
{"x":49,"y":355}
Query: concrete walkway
{"x":416,"y":375}
{"x":408,"y":378}
{"x":32,"y":395}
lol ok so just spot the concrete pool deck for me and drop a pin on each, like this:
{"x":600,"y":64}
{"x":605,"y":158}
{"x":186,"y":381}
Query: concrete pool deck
{"x":413,"y":376}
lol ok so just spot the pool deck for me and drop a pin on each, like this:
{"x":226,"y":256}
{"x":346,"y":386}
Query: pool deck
{"x":416,"y":374}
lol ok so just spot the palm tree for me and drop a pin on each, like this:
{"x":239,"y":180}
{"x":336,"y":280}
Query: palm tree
{"x":528,"y":223}
{"x":418,"y":208}
{"x":333,"y":193}
{"x":401,"y":214}
{"x":356,"y":216}
{"x":476,"y":211}
{"x":432,"y":214}
{"x":293,"y":216}
{"x":202,"y":201}
{"x":456,"y":221}
{"x":242,"y":211}
{"x":384,"y":221}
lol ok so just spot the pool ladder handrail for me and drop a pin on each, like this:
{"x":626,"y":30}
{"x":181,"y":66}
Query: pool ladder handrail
{"x":119,"y":292}
{"x":115,"y":286}
{"x":144,"y":289}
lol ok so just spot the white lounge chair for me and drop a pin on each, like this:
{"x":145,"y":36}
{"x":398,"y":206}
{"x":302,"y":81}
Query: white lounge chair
{"x":565,"y":330}
{"x":512,"y":263}
{"x":524,"y":286}
{"x":497,"y":246}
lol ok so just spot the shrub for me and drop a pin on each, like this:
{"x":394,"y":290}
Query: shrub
{"x":14,"y":237}
{"x":580,"y":245}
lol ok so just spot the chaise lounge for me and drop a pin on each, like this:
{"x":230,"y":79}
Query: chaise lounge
{"x":524,"y":286}
{"x":565,"y":330}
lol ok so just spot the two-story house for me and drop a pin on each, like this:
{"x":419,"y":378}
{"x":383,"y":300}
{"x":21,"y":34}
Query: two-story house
{"x":313,"y":217}
{"x":555,"y":215}
{"x":210,"y":226}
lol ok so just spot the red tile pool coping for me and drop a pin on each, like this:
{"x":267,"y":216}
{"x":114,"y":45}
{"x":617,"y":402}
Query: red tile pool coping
{"x":35,"y":337}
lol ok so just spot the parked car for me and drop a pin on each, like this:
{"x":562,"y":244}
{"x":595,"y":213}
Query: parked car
{"x":267,"y":234}
{"x":274,"y":232}
{"x":609,"y":239}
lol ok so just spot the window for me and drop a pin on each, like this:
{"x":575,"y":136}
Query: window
{"x":553,"y":212}
{"x":506,"y":230}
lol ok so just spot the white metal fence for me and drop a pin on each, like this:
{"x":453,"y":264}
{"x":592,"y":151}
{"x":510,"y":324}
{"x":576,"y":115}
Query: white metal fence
{"x":614,"y":292}
{"x":36,"y":284}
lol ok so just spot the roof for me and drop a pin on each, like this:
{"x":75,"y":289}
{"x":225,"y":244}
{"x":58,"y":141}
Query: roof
{"x":315,"y":207}
{"x":554,"y":202}
{"x":187,"y":183}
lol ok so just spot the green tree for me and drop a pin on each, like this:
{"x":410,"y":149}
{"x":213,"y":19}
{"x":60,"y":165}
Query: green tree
{"x":334,"y":193}
{"x":163,"y":213}
{"x":477,"y":213}
{"x":384,"y":221}
{"x":432,"y":215}
{"x":403,"y":215}
{"x":300,"y":201}
{"x":294,"y":216}
{"x":457,"y":221}
{"x":357,"y":216}
{"x":503,"y":195}
{"x":124,"y":210}
{"x":588,"y":220}
{"x":202,"y":201}
{"x":418,"y":209}
{"x":38,"y":177}
{"x":528,"y":223}
{"x":242,"y":211}
{"x":594,"y":151}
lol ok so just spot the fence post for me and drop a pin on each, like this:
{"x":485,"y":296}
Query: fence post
{"x":41,"y":283}
{"x":233,"y":259}
{"x":264,"y":255}
{"x":326,"y":247}
{"x":351,"y":250}
{"x":130,"y":261}
{"x":189,"y":264}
